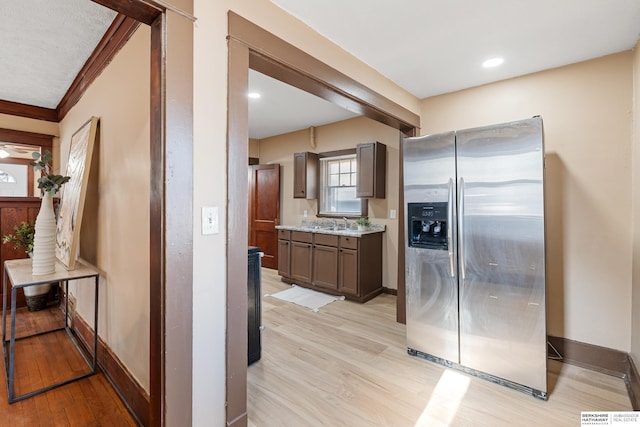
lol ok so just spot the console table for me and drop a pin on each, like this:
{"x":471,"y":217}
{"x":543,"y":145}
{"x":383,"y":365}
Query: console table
{"x":18,"y":272}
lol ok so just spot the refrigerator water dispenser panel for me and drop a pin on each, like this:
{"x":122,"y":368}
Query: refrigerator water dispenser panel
{"x":428,"y":225}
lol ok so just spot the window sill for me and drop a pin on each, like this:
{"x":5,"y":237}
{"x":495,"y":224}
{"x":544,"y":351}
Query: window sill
{"x":338,"y":215}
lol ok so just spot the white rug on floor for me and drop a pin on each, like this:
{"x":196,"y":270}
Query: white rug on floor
{"x":305,"y":297}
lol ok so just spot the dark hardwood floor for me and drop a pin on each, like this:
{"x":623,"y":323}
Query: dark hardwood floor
{"x":50,"y":358}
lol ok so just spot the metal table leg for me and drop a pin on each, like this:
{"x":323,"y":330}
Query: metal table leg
{"x":10,"y":360}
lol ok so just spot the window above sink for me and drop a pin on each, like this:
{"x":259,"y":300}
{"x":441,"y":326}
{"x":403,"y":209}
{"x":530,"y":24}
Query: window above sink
{"x":337,"y":195}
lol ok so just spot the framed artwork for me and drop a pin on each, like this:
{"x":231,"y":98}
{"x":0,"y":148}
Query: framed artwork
{"x":74,"y":192}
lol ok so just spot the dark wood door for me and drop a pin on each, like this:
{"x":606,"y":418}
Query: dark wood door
{"x":264,"y":211}
{"x":13,"y":211}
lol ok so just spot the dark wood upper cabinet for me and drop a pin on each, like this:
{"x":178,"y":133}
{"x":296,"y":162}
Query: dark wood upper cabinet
{"x":372,"y":170}
{"x":305,"y":175}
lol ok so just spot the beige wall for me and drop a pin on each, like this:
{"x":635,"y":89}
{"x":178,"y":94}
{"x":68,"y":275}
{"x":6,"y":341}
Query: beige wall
{"x":254,"y":148}
{"x":586,"y":110}
{"x":120,"y":98}
{"x":38,"y":126}
{"x":338,"y":136}
{"x":635,"y":325}
{"x":210,"y":118}
{"x":28,"y":125}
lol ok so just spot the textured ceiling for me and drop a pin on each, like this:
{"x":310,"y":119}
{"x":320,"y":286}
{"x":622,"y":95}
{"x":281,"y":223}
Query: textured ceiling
{"x":44,"y":44}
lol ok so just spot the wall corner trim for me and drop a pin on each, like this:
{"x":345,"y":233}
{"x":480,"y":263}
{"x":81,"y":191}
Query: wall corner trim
{"x":633,"y":384}
{"x":601,"y":359}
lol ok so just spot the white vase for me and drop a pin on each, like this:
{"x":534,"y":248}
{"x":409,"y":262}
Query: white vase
{"x":44,"y":241}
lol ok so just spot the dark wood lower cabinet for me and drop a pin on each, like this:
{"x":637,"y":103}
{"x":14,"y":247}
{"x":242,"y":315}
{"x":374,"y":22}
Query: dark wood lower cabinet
{"x":325,"y":267}
{"x":335,"y":264}
{"x":301,"y":257}
{"x":284,"y":253}
{"x":348,"y":272}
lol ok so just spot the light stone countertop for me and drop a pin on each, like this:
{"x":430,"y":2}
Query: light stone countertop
{"x":340,"y":231}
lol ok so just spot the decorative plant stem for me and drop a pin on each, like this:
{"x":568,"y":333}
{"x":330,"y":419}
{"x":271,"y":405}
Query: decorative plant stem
{"x":48,"y":182}
{"x":23,"y":237}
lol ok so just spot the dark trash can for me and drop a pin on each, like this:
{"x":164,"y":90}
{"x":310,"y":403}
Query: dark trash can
{"x":254,"y":305}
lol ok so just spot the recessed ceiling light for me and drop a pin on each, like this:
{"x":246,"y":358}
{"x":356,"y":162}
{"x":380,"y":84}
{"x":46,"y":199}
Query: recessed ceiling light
{"x":493,"y":62}
{"x":254,"y":95}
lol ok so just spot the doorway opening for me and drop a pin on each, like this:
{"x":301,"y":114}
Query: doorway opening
{"x":251,"y":47}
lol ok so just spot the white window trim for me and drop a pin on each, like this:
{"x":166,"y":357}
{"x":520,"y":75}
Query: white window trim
{"x":323,"y":182}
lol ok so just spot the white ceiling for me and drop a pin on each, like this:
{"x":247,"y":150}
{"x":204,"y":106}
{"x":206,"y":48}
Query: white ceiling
{"x":44,"y":44}
{"x":428,"y":47}
{"x":431,"y":47}
{"x":282,"y":108}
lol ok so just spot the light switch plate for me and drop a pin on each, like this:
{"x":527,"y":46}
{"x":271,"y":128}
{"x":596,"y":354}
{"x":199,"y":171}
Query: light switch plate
{"x":392,"y":214}
{"x":210,"y":220}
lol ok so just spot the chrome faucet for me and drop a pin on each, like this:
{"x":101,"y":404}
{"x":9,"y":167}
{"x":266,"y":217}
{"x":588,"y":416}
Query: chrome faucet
{"x":346,"y":223}
{"x":335,"y":224}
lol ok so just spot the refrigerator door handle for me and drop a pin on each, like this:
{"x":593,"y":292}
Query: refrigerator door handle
{"x":461,"y":227}
{"x":449,"y":228}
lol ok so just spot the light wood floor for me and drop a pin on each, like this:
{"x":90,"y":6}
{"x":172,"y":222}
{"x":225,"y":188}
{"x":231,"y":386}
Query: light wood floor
{"x":347,"y":365}
{"x":45,"y":360}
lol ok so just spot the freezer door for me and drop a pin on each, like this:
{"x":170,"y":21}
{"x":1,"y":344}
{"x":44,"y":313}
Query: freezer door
{"x":502,"y":251}
{"x":430,"y":257}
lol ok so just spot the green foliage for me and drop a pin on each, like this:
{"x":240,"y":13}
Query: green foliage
{"x":48,"y":182}
{"x":363,"y":222}
{"x":23,"y":237}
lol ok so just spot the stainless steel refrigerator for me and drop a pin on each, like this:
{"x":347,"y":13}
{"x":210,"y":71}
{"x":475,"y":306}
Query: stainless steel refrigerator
{"x":475,"y":252}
